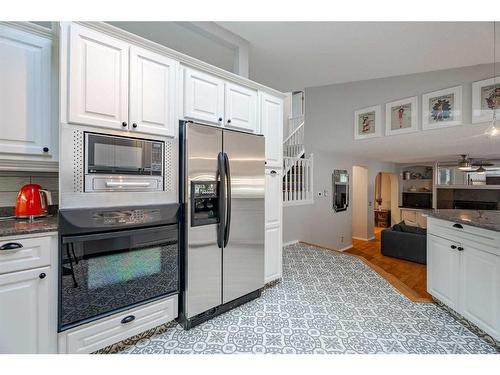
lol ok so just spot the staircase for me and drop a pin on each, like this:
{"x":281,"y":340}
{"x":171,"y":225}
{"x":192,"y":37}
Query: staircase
{"x":297,"y":169}
{"x":293,"y":145}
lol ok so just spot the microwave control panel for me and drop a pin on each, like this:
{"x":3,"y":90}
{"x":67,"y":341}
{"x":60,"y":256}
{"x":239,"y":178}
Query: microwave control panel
{"x":204,"y":203}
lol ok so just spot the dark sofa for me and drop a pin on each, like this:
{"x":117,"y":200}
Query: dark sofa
{"x":405,"y":242}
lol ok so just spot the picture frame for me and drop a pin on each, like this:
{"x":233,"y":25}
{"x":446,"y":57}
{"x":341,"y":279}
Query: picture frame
{"x":401,"y":116}
{"x":482,"y":97}
{"x":442,"y":108}
{"x":368,"y":123}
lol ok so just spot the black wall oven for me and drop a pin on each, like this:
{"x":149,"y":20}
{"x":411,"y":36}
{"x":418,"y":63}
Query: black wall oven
{"x":113,"y":259}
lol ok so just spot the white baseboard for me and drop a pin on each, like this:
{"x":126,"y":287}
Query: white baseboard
{"x":290,"y":243}
{"x":363,"y":239}
{"x":345,"y":248}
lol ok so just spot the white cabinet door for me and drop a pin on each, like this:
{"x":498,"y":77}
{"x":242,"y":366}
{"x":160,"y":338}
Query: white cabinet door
{"x":480,"y":289}
{"x":271,"y":110}
{"x":203,"y":97}
{"x":98,"y":79}
{"x":273,"y":254}
{"x":25,"y":126}
{"x":152,"y":92}
{"x":443,"y":269}
{"x":24,"y":311}
{"x":273,"y":240}
{"x":241,"y":108}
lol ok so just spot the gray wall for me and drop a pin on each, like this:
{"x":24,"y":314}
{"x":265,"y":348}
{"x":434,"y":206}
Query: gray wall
{"x":317,"y":223}
{"x":329,"y":136}
{"x":330,"y":110}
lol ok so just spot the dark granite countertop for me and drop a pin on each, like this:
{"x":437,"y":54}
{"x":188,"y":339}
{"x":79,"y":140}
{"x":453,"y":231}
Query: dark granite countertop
{"x":15,"y":227}
{"x":485,"y":219}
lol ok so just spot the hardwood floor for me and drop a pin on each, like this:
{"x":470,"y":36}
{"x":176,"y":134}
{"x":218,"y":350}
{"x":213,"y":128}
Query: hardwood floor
{"x":408,"y":277}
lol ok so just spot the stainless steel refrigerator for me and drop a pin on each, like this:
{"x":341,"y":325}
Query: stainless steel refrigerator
{"x":222,"y":192}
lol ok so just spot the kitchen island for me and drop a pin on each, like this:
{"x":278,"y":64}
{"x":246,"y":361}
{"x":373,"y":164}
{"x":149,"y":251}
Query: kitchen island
{"x":463,"y":264}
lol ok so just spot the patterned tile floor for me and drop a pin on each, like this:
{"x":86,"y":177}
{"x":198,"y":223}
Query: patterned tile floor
{"x":327,"y":302}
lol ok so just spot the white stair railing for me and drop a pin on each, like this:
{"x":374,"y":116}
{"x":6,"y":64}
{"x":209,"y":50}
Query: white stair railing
{"x":297,"y":181}
{"x":293,"y":145}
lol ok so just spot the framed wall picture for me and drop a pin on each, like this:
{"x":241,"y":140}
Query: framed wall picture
{"x":367,"y":123}
{"x":401,"y":116}
{"x":485,"y":98}
{"x":442,"y":108}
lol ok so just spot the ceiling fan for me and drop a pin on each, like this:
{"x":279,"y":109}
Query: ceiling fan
{"x":467,"y":164}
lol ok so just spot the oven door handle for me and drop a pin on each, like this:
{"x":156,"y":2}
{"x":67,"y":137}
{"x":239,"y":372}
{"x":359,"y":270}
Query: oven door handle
{"x":169,"y":232}
{"x":127,"y":184}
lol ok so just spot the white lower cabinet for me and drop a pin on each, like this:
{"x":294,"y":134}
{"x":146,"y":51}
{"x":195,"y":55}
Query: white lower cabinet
{"x":99,"y":334}
{"x":463,"y":271}
{"x":442,"y":276}
{"x":24,"y":311}
{"x":480,"y":289}
{"x":273,"y":235}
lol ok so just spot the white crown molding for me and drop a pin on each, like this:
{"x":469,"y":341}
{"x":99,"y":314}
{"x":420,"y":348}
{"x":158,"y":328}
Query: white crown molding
{"x":182,"y":58}
{"x":30,"y":27}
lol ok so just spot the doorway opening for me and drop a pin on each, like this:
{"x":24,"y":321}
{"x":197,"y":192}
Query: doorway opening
{"x":386,"y":201}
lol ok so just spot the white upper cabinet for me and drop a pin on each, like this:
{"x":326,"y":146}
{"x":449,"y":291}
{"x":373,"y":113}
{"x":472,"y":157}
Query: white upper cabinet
{"x":98,"y":79}
{"x":25,"y":90}
{"x":241,"y":108}
{"x":271,"y":112}
{"x":203,"y":97}
{"x":152,"y":92}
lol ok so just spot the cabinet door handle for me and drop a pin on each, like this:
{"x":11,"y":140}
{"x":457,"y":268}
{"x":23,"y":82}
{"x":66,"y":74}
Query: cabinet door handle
{"x":134,"y":125}
{"x":220,"y":119}
{"x":453,"y":247}
{"x":128,"y":319}
{"x":45,"y":149}
{"x":43,"y":275}
{"x":459,"y":226}
{"x":11,"y":246}
{"x":273,"y":172}
{"x":229,"y":121}
{"x":124,"y":124}
{"x":460,"y":248}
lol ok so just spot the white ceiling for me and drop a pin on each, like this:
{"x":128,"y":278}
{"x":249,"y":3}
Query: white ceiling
{"x":294,"y":55}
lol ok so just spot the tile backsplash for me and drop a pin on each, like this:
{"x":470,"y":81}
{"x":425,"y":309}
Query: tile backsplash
{"x":11,"y":182}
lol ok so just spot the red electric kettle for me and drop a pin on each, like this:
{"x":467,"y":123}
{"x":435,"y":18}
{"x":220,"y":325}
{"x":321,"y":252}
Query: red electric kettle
{"x":32,"y":201}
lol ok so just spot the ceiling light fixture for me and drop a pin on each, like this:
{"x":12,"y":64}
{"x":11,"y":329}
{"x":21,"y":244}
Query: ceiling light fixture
{"x":481,"y":170}
{"x":493,"y":130}
{"x":464,"y":164}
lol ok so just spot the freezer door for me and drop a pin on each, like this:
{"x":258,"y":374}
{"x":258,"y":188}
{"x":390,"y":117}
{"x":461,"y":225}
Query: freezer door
{"x":243,"y":255}
{"x":203,"y":276}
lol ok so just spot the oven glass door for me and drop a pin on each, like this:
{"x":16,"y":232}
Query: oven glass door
{"x":122,"y":155}
{"x":101,"y":274}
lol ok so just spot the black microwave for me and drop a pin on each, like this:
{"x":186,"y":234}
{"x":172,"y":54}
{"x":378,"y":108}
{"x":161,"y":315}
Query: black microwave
{"x":417,"y":200}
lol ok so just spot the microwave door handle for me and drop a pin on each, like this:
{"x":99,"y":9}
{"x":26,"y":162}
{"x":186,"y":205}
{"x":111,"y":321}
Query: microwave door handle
{"x":221,"y":195}
{"x":228,"y":208}
{"x":127,"y":183}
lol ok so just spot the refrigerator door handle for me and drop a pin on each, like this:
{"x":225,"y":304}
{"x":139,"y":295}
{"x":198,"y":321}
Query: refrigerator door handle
{"x":221,"y":197}
{"x":228,"y":204}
